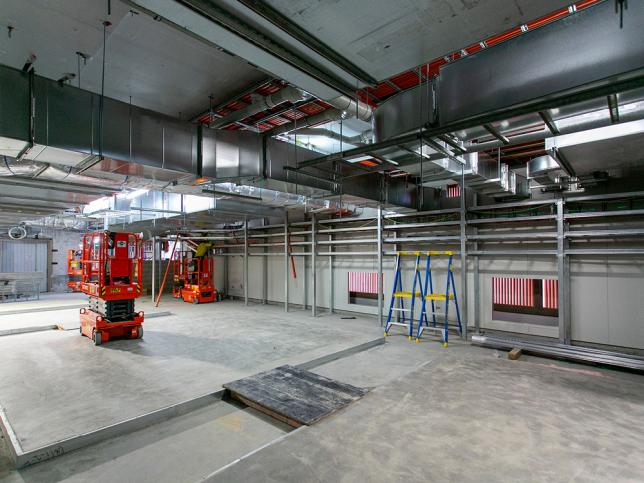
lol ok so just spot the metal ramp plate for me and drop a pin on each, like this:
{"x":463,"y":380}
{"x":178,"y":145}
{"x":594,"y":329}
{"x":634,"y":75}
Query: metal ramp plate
{"x":294,"y":396}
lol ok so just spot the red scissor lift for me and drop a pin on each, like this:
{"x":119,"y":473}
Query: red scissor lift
{"x":111,"y":276}
{"x":192,"y":278}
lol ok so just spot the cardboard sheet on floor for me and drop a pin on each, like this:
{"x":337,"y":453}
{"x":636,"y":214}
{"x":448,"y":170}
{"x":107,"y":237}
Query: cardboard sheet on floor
{"x":294,"y":396}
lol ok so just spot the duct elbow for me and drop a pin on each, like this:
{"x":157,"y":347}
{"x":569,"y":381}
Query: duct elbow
{"x":352,"y":107}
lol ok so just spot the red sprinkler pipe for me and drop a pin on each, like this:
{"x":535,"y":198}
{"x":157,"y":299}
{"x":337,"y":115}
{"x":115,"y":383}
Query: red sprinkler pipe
{"x":167,"y":269}
{"x":290,"y":251}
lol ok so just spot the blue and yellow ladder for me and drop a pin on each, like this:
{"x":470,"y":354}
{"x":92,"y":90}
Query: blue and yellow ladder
{"x":433,"y":297}
{"x":399,"y":296}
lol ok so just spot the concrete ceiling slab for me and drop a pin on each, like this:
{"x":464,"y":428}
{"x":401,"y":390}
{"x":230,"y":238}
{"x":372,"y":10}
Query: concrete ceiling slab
{"x":386,"y":37}
{"x":148,"y":63}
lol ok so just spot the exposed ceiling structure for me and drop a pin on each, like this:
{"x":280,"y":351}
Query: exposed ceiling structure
{"x":147,"y":62}
{"x":378,"y":105}
{"x":385,"y":38}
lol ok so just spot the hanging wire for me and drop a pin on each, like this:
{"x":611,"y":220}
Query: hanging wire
{"x":620,"y":6}
{"x":420,"y":139}
{"x":102,"y":98}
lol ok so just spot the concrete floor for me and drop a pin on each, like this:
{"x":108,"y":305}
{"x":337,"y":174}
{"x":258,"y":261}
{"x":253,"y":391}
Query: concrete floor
{"x":57,"y":384}
{"x":458,"y":414}
{"x":183,"y":449}
{"x":466,"y":414}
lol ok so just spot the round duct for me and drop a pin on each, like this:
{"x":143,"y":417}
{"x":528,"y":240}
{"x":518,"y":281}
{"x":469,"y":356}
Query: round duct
{"x":17,"y":232}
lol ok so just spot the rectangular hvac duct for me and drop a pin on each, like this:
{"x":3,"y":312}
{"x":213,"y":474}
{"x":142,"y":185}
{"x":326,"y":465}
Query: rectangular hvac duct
{"x":138,"y":142}
{"x":586,"y":47}
{"x":610,"y":148}
{"x":231,"y":154}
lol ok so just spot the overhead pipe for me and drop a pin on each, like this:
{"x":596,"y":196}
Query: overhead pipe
{"x":37,"y":170}
{"x":352,"y":107}
{"x":328,"y":133}
{"x":259,"y":104}
{"x":329,"y":115}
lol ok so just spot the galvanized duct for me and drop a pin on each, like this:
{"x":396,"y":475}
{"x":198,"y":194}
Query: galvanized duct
{"x":328,"y":133}
{"x":65,"y":174}
{"x":352,"y":107}
{"x":259,"y":104}
{"x":326,"y":116}
{"x":279,"y":198}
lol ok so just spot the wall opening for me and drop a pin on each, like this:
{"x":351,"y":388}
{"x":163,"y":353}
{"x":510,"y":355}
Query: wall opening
{"x":363,"y":288}
{"x":525,"y":300}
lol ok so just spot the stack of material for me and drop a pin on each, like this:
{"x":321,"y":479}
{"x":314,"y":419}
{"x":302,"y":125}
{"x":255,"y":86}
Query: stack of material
{"x":19,"y":286}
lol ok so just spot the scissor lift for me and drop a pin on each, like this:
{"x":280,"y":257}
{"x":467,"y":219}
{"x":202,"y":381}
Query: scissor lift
{"x":111,"y":276}
{"x":192,"y":278}
{"x":74,"y":269}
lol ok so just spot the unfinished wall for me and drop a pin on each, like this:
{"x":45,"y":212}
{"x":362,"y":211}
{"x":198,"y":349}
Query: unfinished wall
{"x":607,"y":306}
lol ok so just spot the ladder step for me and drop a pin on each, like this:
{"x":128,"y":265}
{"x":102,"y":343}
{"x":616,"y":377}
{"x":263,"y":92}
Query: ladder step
{"x":438,"y":296}
{"x":406,"y":295}
{"x":400,"y":310}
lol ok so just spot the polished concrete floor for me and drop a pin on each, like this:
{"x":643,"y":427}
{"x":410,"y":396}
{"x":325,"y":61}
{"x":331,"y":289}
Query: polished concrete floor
{"x":458,"y":414}
{"x":57,"y":384}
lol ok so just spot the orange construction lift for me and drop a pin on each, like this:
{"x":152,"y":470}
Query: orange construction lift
{"x":193,"y":275}
{"x":111,"y":276}
{"x":74,"y":269}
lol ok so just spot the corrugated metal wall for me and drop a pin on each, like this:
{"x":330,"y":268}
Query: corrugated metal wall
{"x":25,"y":256}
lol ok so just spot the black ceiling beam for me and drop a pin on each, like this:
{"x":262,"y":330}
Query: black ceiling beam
{"x":276,"y":18}
{"x":548,"y":121}
{"x":595,"y":90}
{"x":563,"y":162}
{"x":496,"y":133}
{"x":613,"y":107}
{"x":223,"y":18}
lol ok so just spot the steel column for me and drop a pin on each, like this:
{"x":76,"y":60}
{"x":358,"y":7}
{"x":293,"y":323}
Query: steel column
{"x":154,"y":256}
{"x":313,"y":270}
{"x":331,"y":277}
{"x":463,"y":226}
{"x":265,"y":272}
{"x":245,"y":261}
{"x":380,"y":276}
{"x":285,"y":261}
{"x":563,"y":276}
{"x":477,"y":281}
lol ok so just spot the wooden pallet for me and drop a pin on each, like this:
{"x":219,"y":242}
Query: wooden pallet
{"x":293,"y":396}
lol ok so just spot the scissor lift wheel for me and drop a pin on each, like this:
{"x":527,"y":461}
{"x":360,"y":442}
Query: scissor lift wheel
{"x":97,"y":337}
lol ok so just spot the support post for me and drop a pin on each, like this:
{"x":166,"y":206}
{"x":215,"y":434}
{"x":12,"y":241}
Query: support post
{"x":313,"y":271}
{"x":331,"y":278}
{"x":246,"y":261}
{"x":563,"y":276}
{"x":463,"y":227}
{"x":477,"y":281}
{"x":154,"y":257}
{"x":380,"y":275}
{"x":265,"y":271}
{"x":285,"y":261}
